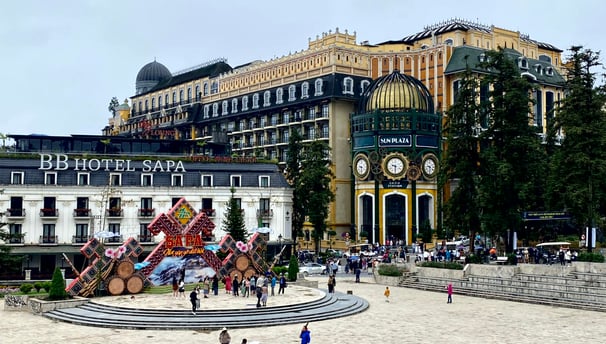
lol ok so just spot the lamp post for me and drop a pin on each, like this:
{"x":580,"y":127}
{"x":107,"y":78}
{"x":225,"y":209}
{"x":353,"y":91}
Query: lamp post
{"x":280,"y":242}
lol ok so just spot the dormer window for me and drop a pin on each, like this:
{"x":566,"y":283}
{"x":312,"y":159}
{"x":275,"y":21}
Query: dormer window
{"x":549,"y":71}
{"x":482,"y":57}
{"x":538,"y":68}
{"x":522,"y":63}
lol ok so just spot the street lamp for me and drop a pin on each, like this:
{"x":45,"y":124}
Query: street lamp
{"x":280,"y":242}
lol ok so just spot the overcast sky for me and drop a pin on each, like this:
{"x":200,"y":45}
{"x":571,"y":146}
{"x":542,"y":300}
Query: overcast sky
{"x":64,"y":60}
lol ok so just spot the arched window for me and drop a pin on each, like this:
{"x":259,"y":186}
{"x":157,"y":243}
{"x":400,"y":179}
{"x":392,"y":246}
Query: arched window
{"x":318,"y":85}
{"x":266,"y":98}
{"x":180,"y":96}
{"x":255,"y":101}
{"x":234,"y":105}
{"x":363,"y":85}
{"x":205,"y":88}
{"x":348,"y":85}
{"x":166,"y":102}
{"x":215,"y":110}
{"x":292,"y":93}
{"x":198,"y":92}
{"x":224,"y":107}
{"x":305,"y":90}
{"x":174,"y":97}
{"x":244,"y":103}
{"x":279,"y":97}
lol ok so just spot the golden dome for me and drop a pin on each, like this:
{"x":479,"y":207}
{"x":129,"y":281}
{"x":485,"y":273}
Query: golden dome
{"x":397,"y":92}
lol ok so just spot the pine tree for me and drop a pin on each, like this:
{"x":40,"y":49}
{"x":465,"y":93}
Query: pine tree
{"x":233,"y":223}
{"x":57,"y":289}
{"x":9,"y":263}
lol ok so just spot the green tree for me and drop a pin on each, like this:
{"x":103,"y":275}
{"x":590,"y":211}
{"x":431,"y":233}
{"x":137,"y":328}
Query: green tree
{"x":577,"y":180}
{"x":512,"y":162}
{"x":462,"y":157}
{"x":293,"y":268}
{"x":233,"y":223}
{"x":9,"y":263}
{"x":113,"y":105}
{"x":57,"y":289}
{"x":316,"y":178}
{"x":293,"y":176}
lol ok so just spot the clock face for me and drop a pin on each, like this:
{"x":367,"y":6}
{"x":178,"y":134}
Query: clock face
{"x":395,"y":165}
{"x":361,"y":166}
{"x":430,"y":166}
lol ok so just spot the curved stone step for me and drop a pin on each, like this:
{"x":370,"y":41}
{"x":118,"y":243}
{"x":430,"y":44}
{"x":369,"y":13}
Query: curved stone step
{"x":100,"y":315}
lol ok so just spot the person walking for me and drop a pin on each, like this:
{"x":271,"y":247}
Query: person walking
{"x":331,"y":284}
{"x":206,"y":287}
{"x":215,"y":285}
{"x":358,"y":275}
{"x":182,"y":288}
{"x":282,"y":284}
{"x":235,"y":285}
{"x":193,"y":298}
{"x":305,"y":335}
{"x":227,"y":282}
{"x":386,"y":293}
{"x":175,"y":287}
{"x":224,"y":337}
{"x":449,"y":292}
{"x":273,"y":284}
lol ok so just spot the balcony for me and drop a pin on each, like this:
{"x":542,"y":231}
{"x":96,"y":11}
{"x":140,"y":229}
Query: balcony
{"x":116,"y":239}
{"x":145,"y":238}
{"x":16,"y":241}
{"x":209,"y":212}
{"x":113,"y":212}
{"x":146,"y":212}
{"x":15,"y":212}
{"x":82,"y":212}
{"x":49,"y":212}
{"x":48,"y":239}
{"x":79,"y":239}
{"x":265,"y":213}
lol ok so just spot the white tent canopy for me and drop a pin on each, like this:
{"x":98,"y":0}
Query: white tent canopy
{"x":263,"y":230}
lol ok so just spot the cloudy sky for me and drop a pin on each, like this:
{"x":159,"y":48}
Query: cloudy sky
{"x":64,"y":60}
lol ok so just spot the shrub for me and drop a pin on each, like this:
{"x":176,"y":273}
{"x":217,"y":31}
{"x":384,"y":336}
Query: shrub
{"x":57,"y":289}
{"x":47,"y":286}
{"x":590,"y":257}
{"x":25,"y":288}
{"x":391,"y":270}
{"x":512,"y":259}
{"x":475,"y":259}
{"x":38,"y":286}
{"x":440,"y":265}
{"x":293,"y":268}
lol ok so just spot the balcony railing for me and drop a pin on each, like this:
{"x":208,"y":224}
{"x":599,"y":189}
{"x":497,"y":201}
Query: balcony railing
{"x":48,"y":239}
{"x":265,"y":212}
{"x":209,"y":212}
{"x":117,"y":238}
{"x":146,"y":212}
{"x":81,"y":212}
{"x":15,"y":212}
{"x":145,"y":238}
{"x":49,"y":212}
{"x":16,"y":241}
{"x":79,"y":239}
{"x":113,"y":212}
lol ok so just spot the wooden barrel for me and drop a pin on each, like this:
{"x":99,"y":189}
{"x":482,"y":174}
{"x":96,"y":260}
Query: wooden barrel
{"x":250,"y":272}
{"x":125,"y":268}
{"x":134,"y":284}
{"x":242,"y":262}
{"x":115,"y":285}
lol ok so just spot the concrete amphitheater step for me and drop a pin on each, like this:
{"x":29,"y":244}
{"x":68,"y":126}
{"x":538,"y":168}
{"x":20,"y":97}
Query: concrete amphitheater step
{"x":94,"y":314}
{"x":559,"y":302}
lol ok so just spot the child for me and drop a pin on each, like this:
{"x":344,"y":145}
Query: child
{"x":449,"y":292}
{"x":386,"y":293}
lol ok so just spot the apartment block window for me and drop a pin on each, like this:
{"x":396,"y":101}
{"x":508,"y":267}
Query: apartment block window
{"x":266,"y":98}
{"x":264,"y":181}
{"x":318,"y":85}
{"x":17,"y":177}
{"x":264,"y":206}
{"x":348,"y":85}
{"x":16,"y":231}
{"x":207,"y":180}
{"x":50,"y":178}
{"x":114,"y":228}
{"x":207,"y":203}
{"x":205,"y":90}
{"x":206,"y":111}
{"x":146,"y":207}
{"x":115,"y":179}
{"x":224,"y":107}
{"x":16,"y":206}
{"x":279,"y":96}
{"x":234,"y":105}
{"x":255,"y":100}
{"x":81,"y":233}
{"x":115,"y":203}
{"x":144,"y":234}
{"x":50,"y":203}
{"x":325,"y":110}
{"x":82,"y":203}
{"x":214,"y":88}
{"x":147,"y":179}
{"x":177,"y":180}
{"x":292,"y":90}
{"x":48,"y":234}
{"x":235,"y":181}
{"x":83,"y":178}
{"x":305,"y":90}
{"x":215,"y":110}
{"x":244,"y":103}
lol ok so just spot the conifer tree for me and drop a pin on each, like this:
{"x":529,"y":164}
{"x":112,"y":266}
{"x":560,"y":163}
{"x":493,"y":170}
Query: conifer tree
{"x":233,"y":223}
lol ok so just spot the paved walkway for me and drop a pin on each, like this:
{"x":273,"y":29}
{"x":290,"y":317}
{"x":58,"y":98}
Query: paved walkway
{"x":411,"y":316}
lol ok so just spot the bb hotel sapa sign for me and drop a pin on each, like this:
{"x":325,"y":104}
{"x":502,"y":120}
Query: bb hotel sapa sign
{"x":62,"y":162}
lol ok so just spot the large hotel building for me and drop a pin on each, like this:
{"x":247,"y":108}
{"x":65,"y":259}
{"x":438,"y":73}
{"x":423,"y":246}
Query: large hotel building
{"x":379,"y":106}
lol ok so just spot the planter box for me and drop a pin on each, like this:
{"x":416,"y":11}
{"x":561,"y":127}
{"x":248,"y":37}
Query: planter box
{"x":37,"y":306}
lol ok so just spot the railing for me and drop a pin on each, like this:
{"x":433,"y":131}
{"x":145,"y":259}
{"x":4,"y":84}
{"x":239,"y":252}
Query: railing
{"x":147,"y":212}
{"x":81,"y":212}
{"x":145,"y":238}
{"x":265,"y":212}
{"x":49,"y":212}
{"x":209,"y":212}
{"x":79,"y":239}
{"x":48,"y":239}
{"x":16,"y":241}
{"x":15,"y":212}
{"x":117,"y":238}
{"x":113,"y":212}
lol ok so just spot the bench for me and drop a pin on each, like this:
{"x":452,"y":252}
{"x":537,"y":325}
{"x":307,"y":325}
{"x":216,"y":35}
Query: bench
{"x":501,"y":260}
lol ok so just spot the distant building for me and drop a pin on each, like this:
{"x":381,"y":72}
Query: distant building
{"x":58,"y":192}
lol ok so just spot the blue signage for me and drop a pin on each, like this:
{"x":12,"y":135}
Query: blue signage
{"x":395,"y":141}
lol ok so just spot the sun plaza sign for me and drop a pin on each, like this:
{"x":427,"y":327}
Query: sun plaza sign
{"x":62,"y":162}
